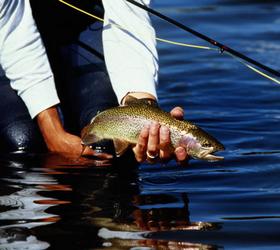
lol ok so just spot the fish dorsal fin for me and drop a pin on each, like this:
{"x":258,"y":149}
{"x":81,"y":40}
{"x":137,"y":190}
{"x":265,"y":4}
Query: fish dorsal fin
{"x":120,"y":146}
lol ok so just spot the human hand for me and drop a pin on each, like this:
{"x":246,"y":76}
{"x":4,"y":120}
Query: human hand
{"x":61,"y":142}
{"x":153,"y":137}
{"x":66,"y":143}
{"x":71,"y":148}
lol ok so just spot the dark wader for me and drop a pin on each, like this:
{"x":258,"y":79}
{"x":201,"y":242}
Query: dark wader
{"x":81,"y":78}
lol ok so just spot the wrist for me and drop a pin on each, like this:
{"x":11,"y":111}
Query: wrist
{"x":50,"y":126}
{"x":134,"y":97}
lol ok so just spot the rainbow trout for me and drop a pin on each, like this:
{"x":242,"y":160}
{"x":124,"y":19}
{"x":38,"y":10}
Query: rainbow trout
{"x":123,"y":125}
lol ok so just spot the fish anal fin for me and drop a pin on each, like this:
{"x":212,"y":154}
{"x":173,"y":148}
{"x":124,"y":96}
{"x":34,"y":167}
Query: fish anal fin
{"x":120,"y":146}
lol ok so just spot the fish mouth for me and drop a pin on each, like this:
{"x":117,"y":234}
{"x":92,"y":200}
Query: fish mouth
{"x":205,"y":153}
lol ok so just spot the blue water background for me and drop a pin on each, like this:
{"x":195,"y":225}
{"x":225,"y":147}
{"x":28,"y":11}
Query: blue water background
{"x":238,"y":106}
{"x":238,"y":198}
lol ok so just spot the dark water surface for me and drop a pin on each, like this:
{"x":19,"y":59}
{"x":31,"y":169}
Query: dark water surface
{"x":48,"y":202}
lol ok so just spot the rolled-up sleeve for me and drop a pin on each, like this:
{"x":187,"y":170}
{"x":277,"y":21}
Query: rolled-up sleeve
{"x":23,"y":57}
{"x":129,"y":48}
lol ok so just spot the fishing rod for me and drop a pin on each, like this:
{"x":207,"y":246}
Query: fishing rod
{"x":221,"y":46}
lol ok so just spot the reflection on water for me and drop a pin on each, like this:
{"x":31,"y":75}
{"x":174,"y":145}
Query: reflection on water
{"x":24,"y":208}
{"x":46,"y":202}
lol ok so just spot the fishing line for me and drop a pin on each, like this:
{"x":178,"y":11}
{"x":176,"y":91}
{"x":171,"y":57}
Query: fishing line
{"x":255,"y":69}
{"x":157,"y":38}
{"x":184,"y":44}
{"x":222,"y":48}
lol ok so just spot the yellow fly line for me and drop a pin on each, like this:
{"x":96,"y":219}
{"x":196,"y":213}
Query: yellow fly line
{"x":82,"y":11}
{"x":262,"y":73}
{"x":184,"y":44}
{"x":158,"y":39}
{"x":179,"y":43}
{"x":255,"y":69}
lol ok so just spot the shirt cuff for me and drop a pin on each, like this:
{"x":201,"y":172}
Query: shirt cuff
{"x":40,"y":97}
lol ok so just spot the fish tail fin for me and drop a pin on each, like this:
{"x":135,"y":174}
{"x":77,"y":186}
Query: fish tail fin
{"x":89,"y":138}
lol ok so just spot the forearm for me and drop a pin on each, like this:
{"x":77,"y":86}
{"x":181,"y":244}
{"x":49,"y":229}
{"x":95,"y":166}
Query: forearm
{"x":57,"y":139}
{"x":50,"y":126}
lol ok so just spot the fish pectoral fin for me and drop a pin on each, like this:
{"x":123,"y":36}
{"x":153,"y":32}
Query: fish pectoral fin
{"x":210,"y":157}
{"x":120,"y":146}
{"x":205,"y":154}
{"x":205,"y":151}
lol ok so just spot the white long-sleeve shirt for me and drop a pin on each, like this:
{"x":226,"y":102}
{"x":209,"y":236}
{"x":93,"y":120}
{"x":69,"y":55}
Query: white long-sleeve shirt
{"x":129,"y":49}
{"x":23,"y":57}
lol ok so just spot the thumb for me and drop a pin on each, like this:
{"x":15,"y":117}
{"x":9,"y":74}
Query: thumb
{"x":177,"y":113}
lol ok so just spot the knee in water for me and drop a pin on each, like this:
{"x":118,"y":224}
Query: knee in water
{"x":21,"y":137}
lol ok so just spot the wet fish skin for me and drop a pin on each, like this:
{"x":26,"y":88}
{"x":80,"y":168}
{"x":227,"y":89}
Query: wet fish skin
{"x":123,"y":125}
